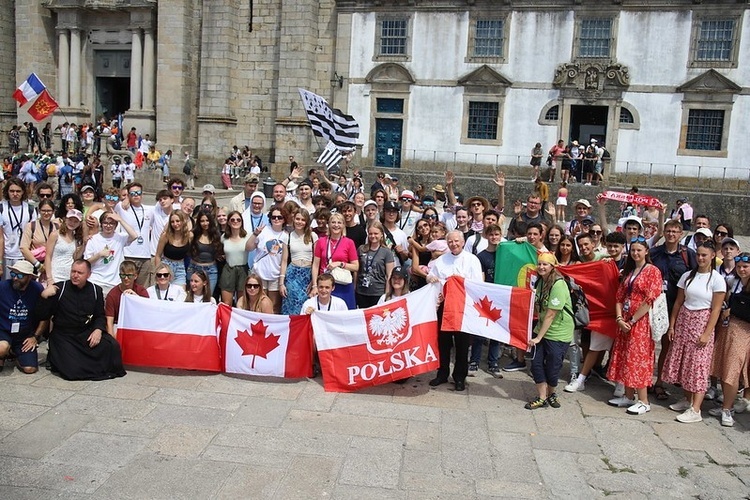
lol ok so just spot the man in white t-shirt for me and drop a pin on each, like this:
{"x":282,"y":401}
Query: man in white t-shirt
{"x":138,"y":216}
{"x":104,"y":251}
{"x":15,"y":213}
{"x":162,"y":210}
{"x":324,"y":301}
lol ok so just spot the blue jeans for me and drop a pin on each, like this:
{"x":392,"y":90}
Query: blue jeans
{"x":211,"y":270}
{"x":548,"y":360}
{"x":178,"y":271}
{"x":493,"y":353}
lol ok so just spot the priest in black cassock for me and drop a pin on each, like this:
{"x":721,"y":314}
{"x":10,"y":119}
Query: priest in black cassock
{"x":79,"y":347}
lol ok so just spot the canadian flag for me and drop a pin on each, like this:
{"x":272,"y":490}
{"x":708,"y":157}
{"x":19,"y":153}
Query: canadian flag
{"x":497,"y":312}
{"x":271,"y":345}
{"x":168,"y":334}
{"x":381,"y":344}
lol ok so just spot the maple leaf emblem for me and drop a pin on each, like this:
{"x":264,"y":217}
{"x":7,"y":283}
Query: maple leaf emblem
{"x":389,"y":326}
{"x":256,"y":343}
{"x":486,"y":309}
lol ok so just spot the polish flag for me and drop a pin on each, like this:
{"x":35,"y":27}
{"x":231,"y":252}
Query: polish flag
{"x":29,"y":89}
{"x":167,"y":334}
{"x":270,"y":345}
{"x":381,"y":344}
{"x":497,"y":312}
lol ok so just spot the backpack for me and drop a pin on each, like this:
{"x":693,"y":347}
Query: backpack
{"x":580,"y":305}
{"x":187,"y":169}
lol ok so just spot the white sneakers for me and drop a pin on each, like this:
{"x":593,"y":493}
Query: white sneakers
{"x":689,"y":416}
{"x":727,"y":417}
{"x":619,"y":390}
{"x":741,"y":405}
{"x":639,"y":408}
{"x":680,"y":405}
{"x":577,"y":384}
{"x":620,"y":402}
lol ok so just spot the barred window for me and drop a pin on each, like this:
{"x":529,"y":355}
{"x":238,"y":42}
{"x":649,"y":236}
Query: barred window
{"x":483,"y":120}
{"x":595,"y":38}
{"x":552,"y":114}
{"x":715,"y":39}
{"x":626,"y":116}
{"x":705,"y":128}
{"x":393,"y":34}
{"x":489,"y":39}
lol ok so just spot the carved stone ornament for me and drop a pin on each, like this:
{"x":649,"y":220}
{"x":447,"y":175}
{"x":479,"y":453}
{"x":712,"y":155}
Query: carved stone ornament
{"x":592,"y":77}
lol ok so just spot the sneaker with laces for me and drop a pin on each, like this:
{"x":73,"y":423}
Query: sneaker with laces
{"x":639,"y":408}
{"x":689,"y":416}
{"x":537,"y":403}
{"x":515,"y":366}
{"x":473,"y":369}
{"x":727,"y":419}
{"x":621,"y":402}
{"x":575,"y":385}
{"x":495,"y":371}
{"x":680,"y":406}
{"x":741,"y":405}
{"x":553,"y":401}
{"x":716,"y":412}
{"x":710,"y":394}
{"x":619,"y":390}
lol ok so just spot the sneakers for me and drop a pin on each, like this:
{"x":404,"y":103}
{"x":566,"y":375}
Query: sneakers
{"x":552,"y":401}
{"x":727,"y":416}
{"x":621,"y":402}
{"x":587,"y":184}
{"x":575,"y":385}
{"x":494,"y":370}
{"x":473,"y":369}
{"x":619,"y":390}
{"x":515,"y":366}
{"x":680,"y":405}
{"x":710,"y":394}
{"x":639,"y":408}
{"x":689,"y":416}
{"x":741,"y":405}
{"x":537,"y":403}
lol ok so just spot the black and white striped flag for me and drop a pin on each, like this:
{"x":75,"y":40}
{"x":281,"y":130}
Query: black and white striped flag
{"x":330,"y":123}
{"x":330,"y":155}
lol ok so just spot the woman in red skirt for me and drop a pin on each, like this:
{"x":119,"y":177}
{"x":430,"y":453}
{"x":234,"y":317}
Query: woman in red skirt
{"x":700,"y":293}
{"x":632,"y":362}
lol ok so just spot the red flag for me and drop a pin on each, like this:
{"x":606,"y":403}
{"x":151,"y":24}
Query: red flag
{"x":599,"y":281}
{"x":168,"y":334}
{"x":381,"y":344}
{"x":265,"y":344}
{"x":638,"y":199}
{"x":43,"y":106}
{"x":497,"y":312}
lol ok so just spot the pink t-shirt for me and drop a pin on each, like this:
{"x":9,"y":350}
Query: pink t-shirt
{"x":342,"y":250}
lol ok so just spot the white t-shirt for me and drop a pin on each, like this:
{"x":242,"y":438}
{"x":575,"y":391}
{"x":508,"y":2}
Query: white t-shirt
{"x":298,"y":250}
{"x":173,"y":294}
{"x":158,"y":223}
{"x":268,"y":253}
{"x":700,"y":292}
{"x":408,"y":221}
{"x":139,"y":218}
{"x":105,"y":272}
{"x":335,"y":304}
{"x":13,"y":220}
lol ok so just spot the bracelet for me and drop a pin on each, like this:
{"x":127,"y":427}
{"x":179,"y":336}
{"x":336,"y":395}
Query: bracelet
{"x":618,"y":318}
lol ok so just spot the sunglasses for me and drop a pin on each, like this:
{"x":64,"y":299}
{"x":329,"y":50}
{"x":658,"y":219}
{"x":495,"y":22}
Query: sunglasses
{"x":162,"y":275}
{"x":739,"y":258}
{"x":428,"y":203}
{"x":207,"y":205}
{"x":234,"y":219}
{"x":638,"y":239}
{"x":49,"y":195}
{"x":405,"y":199}
{"x":721,"y":233}
{"x":595,"y":232}
{"x":126,"y":275}
{"x":252,"y":286}
{"x":135,"y":193}
{"x":430,"y":217}
{"x":110,"y":197}
{"x":16,"y":275}
{"x":277,"y":217}
{"x":178,"y":188}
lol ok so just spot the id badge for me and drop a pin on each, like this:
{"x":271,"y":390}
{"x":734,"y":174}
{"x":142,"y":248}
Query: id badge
{"x":12,"y":240}
{"x":15,"y":327}
{"x":626,"y":306}
{"x":139,"y":240}
{"x":664,"y":286}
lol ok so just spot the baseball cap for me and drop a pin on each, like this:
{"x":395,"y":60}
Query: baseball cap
{"x":210,"y":188}
{"x":732,"y":241}
{"x":74,"y":213}
{"x":400,"y":271}
{"x":407,"y":193}
{"x":583,"y":202}
{"x":634,"y":219}
{"x":391,"y":205}
{"x":87,"y":186}
{"x":368,"y":203}
{"x":251,"y":178}
{"x":705,"y":232}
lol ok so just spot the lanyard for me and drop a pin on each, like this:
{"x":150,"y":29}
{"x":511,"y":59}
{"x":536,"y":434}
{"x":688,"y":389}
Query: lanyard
{"x":632,"y":279}
{"x":143,"y":218}
{"x":41,"y":226}
{"x":404,"y":221}
{"x":369,"y":260}
{"x":329,"y":304}
{"x":330,"y":252}
{"x":13,"y":215}
{"x":254,"y":223}
{"x":158,"y":293}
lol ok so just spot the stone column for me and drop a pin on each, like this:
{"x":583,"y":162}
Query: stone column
{"x":75,"y":68}
{"x":149,"y":70}
{"x":63,"y":68}
{"x":136,"y":71}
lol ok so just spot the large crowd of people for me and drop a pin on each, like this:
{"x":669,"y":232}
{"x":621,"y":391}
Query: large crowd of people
{"x":69,"y":253}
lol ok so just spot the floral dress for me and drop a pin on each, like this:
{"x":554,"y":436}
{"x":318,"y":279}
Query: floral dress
{"x":632,"y":354}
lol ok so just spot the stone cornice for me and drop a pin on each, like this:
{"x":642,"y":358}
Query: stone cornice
{"x":112,"y":5}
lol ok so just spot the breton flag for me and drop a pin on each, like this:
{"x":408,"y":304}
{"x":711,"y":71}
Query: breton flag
{"x":329,"y":123}
{"x":496,"y":312}
{"x":44,"y":106}
{"x":270,"y":345}
{"x":29,"y":89}
{"x":168,"y":334}
{"x":330,"y":156}
{"x":599,"y":281}
{"x":381,"y":344}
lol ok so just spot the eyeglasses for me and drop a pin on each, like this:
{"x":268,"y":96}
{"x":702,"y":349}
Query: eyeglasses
{"x":16,"y":275}
{"x":126,"y":276}
{"x":45,"y":195}
{"x":178,"y":188}
{"x":739,"y":258}
{"x":135,"y":193}
{"x":595,"y":232}
{"x":429,"y":216}
{"x":235,"y":219}
{"x":252,"y":286}
{"x":46,"y":211}
{"x":109,"y":223}
{"x":277,"y":217}
{"x":721,"y":233}
{"x":638,"y":239}
{"x":162,"y":275}
{"x":110,"y":197}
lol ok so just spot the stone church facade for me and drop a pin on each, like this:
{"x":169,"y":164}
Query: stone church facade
{"x":665,"y":84}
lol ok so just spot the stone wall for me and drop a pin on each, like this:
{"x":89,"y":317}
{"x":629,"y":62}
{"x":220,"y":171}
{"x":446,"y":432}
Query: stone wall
{"x":7,"y":69}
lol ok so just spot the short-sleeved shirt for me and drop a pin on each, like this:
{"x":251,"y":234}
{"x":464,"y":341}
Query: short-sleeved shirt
{"x":268,"y":256}
{"x":372,"y":270}
{"x":139,"y":218}
{"x":19,"y":307}
{"x":13,"y":220}
{"x":342,"y":250}
{"x":112,"y":301}
{"x":335,"y":304}
{"x":562,"y":326}
{"x":487,"y":259}
{"x":700,"y":292}
{"x":105,"y":272}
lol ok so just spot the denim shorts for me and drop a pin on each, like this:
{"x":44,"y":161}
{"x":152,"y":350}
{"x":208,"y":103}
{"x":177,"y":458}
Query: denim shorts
{"x":179,"y":276}
{"x":25,"y":359}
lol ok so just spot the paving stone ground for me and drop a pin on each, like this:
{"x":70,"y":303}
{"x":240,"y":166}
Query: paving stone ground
{"x":180,"y":434}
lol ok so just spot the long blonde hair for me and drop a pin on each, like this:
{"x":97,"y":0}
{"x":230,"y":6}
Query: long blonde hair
{"x":247,"y":306}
